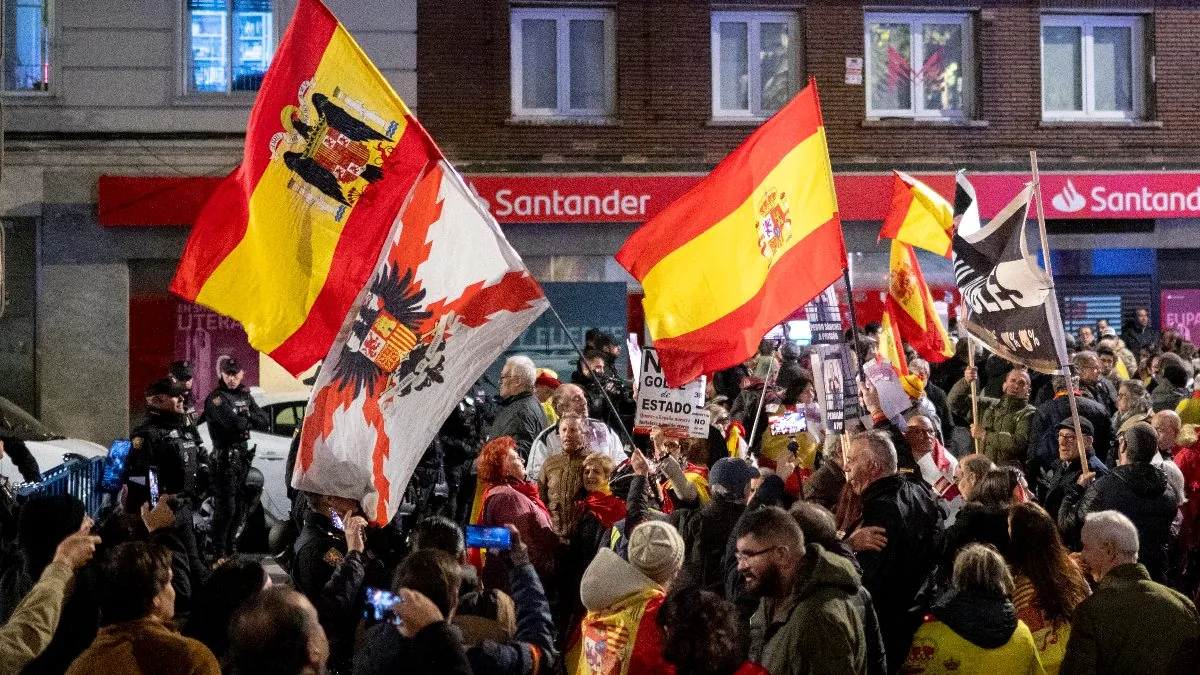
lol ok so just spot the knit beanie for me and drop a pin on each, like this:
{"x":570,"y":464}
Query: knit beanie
{"x":656,"y":550}
{"x":914,"y":386}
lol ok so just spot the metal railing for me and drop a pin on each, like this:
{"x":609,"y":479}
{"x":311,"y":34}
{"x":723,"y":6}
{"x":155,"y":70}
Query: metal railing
{"x":79,"y":478}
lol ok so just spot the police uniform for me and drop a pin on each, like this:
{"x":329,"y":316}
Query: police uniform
{"x":231,"y":414}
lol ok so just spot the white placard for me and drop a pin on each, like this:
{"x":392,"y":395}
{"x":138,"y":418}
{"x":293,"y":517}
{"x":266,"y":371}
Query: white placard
{"x":679,"y":411}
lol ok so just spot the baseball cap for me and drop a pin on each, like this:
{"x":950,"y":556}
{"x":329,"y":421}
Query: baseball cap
{"x":1085,"y":425}
{"x":165,"y":386}
{"x":231,"y":366}
{"x":181,"y":370}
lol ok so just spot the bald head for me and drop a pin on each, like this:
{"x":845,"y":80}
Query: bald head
{"x":569,"y":399}
{"x":1168,"y":425}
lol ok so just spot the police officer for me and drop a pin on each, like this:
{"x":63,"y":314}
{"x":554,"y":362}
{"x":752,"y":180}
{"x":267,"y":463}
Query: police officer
{"x":180,"y":372}
{"x":231,"y":413}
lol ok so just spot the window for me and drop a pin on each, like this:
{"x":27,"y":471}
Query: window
{"x":1092,"y":67}
{"x":755,"y":63}
{"x":26,"y":45}
{"x":563,"y":62}
{"x":230,"y":44}
{"x":919,"y":65}
{"x":286,"y":418}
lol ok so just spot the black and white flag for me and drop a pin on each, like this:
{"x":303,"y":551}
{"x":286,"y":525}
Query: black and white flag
{"x":1009,"y":298}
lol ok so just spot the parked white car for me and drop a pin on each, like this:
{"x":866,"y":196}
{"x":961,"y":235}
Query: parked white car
{"x":285,"y":413}
{"x":46,"y":446}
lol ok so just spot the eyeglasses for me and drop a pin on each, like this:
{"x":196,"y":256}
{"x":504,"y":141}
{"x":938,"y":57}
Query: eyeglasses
{"x":743,"y":556}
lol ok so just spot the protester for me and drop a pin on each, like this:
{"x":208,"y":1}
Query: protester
{"x":1003,"y":427}
{"x":31,"y":626}
{"x":971,"y":469}
{"x":137,"y":605}
{"x":684,"y":616}
{"x":561,"y":478}
{"x":706,"y":530}
{"x":231,"y":585}
{"x":1171,"y":379}
{"x":1055,"y":480}
{"x":1133,"y":406}
{"x":908,"y":516}
{"x":681,"y":483}
{"x":277,"y":632}
{"x":1136,"y":489}
{"x":975,"y":623}
{"x":983,"y":519}
{"x":1087,"y":338}
{"x":1048,"y":584}
{"x":1130,"y":625}
{"x":569,"y":398}
{"x":543,"y":388}
{"x":507,"y":498}
{"x":620,"y":633}
{"x":520,"y":416}
{"x":1110,"y":368}
{"x":825,"y":485}
{"x":1042,"y":427}
{"x":1137,"y":333}
{"x":937,"y":397}
{"x":1092,"y":382}
{"x":814,"y":613}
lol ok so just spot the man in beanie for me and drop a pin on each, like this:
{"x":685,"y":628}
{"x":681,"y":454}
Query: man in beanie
{"x":814,"y":615}
{"x":543,"y":388}
{"x":706,"y":530}
{"x":620,"y":633}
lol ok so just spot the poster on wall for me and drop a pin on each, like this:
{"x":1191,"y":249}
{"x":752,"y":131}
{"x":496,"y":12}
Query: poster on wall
{"x":202,"y":336}
{"x":1181,"y":311}
{"x":582,"y":306}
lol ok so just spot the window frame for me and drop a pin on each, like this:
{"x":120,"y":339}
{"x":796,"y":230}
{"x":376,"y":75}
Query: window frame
{"x":55,"y":67}
{"x":562,"y":16}
{"x":915,"y":21}
{"x":753,"y":20}
{"x":1087,"y":23}
{"x":187,"y":89}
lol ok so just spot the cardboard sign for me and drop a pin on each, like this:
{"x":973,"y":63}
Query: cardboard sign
{"x":678,"y":411}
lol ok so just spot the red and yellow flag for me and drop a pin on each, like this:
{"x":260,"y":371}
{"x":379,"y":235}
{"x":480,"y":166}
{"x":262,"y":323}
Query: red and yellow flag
{"x":755,"y":240}
{"x":910,"y":305}
{"x":889,"y":348}
{"x":919,"y":216}
{"x":289,"y":239}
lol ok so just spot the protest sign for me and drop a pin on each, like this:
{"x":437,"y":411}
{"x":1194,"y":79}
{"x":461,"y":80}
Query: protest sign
{"x":678,"y":411}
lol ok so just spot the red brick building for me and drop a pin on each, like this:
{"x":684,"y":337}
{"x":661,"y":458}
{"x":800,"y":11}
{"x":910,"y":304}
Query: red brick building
{"x":592,"y":97}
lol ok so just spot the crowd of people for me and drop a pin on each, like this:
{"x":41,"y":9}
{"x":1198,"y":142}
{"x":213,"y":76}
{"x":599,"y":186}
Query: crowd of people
{"x":1000,"y":537}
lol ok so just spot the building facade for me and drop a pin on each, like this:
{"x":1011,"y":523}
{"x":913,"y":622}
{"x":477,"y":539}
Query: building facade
{"x":125,"y":88}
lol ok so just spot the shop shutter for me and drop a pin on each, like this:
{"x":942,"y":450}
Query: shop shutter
{"x":1085,"y":299}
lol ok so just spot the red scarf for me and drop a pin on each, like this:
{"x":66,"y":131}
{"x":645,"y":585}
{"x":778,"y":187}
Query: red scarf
{"x":530,"y":490}
{"x":606,"y":507}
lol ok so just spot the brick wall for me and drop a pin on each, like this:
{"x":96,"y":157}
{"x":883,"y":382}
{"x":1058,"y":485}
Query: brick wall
{"x":663,"y":107}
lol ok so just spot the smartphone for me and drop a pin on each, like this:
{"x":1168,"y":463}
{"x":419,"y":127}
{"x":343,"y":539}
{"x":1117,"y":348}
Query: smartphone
{"x":114,"y":468}
{"x":496,"y":538}
{"x":152,"y":478}
{"x":337,"y":520}
{"x":379,"y":605}
{"x":787,"y":424}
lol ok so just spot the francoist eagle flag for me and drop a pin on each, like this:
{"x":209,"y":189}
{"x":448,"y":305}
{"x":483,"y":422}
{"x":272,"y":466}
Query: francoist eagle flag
{"x":345,"y":235}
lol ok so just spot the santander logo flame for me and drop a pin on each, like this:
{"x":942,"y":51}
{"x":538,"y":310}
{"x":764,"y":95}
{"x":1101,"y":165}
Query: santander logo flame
{"x":1069,"y":200}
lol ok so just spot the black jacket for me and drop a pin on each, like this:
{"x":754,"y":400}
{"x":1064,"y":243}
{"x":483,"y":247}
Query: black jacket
{"x":1141,"y":492}
{"x":435,"y":650}
{"x":975,"y":523}
{"x":168,"y":443}
{"x":1043,"y":438}
{"x":1104,"y":393}
{"x":983,"y":619}
{"x":705,"y":534}
{"x":231,"y":414}
{"x":1053,"y":481}
{"x":1138,"y":337}
{"x":908,"y":513}
{"x":521,"y":418}
{"x":332,"y":579}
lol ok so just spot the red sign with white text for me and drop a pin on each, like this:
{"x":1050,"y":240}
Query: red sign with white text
{"x":632,"y":198}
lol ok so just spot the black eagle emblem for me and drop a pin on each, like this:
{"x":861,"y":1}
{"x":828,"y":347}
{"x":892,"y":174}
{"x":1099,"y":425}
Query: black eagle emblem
{"x":398,"y":296}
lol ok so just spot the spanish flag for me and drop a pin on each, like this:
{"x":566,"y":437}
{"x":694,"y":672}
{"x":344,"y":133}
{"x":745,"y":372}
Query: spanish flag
{"x":919,"y":216}
{"x":755,"y":240}
{"x":289,"y":239}
{"x":910,"y":307}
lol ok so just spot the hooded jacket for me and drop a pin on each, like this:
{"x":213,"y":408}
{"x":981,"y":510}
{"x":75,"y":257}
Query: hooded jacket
{"x":1142,"y":493}
{"x":827,"y":625}
{"x":977,"y":630}
{"x":1005,"y":419}
{"x":619,"y":633}
{"x":706,"y":533}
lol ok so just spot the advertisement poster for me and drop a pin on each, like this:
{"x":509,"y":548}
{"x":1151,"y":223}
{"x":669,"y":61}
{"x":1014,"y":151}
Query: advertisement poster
{"x":1181,"y":311}
{"x":679,"y":411}
{"x":202,"y":336}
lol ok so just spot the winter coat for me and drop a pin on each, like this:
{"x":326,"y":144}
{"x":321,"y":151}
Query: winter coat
{"x":1132,"y":625}
{"x":824,"y":486}
{"x":559,"y":484}
{"x":144,"y":647}
{"x":970,"y":632}
{"x":1166,"y":397}
{"x":827,"y":624}
{"x":521,"y":418}
{"x":1043,"y":437}
{"x":1006,"y":421}
{"x":503,"y":506}
{"x":1138,"y":337}
{"x":619,"y":633}
{"x":1053,"y":481}
{"x":1103,"y":392}
{"x":975,"y":523}
{"x":529,"y":652}
{"x":548,"y":443}
{"x":1142,"y":493}
{"x":706,"y":534}
{"x":908,"y":513}
{"x":29,"y":630}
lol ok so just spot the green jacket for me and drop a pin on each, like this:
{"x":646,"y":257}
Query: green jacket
{"x":1132,"y":625}
{"x":822,"y":628}
{"x":1006,"y":421}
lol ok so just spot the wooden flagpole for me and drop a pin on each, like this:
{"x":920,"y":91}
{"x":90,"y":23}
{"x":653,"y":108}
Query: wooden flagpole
{"x":1054,"y":316}
{"x":974,"y":392}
